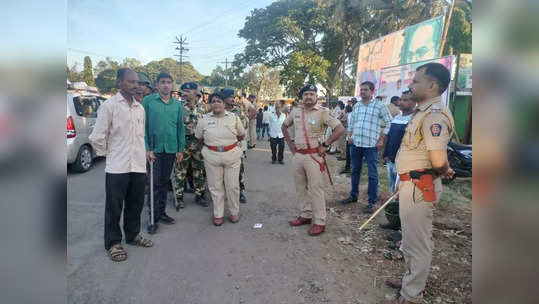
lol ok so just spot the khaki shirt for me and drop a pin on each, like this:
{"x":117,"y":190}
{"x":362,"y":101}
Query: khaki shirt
{"x":316,"y":122}
{"x":219,"y":131}
{"x":119,"y":135}
{"x":437,"y":128}
{"x":248,"y":108}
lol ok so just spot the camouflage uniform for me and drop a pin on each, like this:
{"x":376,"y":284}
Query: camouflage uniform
{"x":239,"y":112}
{"x":192,"y":157}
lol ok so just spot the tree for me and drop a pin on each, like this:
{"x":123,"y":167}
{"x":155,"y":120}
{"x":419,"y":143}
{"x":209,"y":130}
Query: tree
{"x":171,"y":66}
{"x":106,"y":81}
{"x":263,"y":82}
{"x":459,"y":37}
{"x":88,"y":74}
{"x":131,"y":63}
{"x":108,"y":63}
{"x":73,"y":75}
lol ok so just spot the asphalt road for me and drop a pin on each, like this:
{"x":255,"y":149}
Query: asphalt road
{"x":196,"y":262}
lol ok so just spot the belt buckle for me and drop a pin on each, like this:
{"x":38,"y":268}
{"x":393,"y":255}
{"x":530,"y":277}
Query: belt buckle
{"x":221,"y":149}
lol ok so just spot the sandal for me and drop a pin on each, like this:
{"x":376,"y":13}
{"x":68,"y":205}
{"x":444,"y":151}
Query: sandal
{"x":141,"y":241}
{"x":117,"y":253}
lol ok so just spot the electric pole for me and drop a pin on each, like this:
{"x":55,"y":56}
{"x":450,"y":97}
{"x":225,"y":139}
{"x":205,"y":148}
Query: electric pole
{"x":182,"y":41}
{"x":226,"y":71}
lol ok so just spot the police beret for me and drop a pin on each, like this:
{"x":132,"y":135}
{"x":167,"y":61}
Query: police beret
{"x":306,"y":88}
{"x":189,"y":86}
{"x":225,"y":93}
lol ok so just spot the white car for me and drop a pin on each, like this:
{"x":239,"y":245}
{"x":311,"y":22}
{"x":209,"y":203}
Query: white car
{"x":81,"y":117}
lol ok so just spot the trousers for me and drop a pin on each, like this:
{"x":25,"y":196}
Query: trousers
{"x":123,"y":192}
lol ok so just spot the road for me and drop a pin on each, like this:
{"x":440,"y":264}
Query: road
{"x":194,"y":262}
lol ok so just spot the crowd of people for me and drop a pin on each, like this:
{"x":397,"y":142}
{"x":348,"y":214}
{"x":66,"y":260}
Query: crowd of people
{"x":201,"y":141}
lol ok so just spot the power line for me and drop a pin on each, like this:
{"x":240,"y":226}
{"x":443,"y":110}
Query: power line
{"x":226,"y":71}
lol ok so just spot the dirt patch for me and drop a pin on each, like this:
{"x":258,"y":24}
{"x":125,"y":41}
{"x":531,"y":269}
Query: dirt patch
{"x":450,"y":278}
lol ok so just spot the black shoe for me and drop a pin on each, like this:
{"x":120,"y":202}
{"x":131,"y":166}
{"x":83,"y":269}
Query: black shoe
{"x":273,"y":161}
{"x":243,"y":199}
{"x":389,"y":226}
{"x":341,"y":158}
{"x":332,"y":152}
{"x":395,"y":236}
{"x":368,"y":209}
{"x":250,"y":147}
{"x":181,"y":204}
{"x":345,"y":170}
{"x":200,"y":200}
{"x":349,"y":200}
{"x":166,"y":219}
{"x":281,"y":162}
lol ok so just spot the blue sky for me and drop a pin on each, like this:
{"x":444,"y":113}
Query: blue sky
{"x":145,"y":30}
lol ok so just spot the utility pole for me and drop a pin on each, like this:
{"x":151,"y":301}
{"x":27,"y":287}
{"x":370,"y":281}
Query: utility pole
{"x":182,"y":41}
{"x":446,"y":28}
{"x":226,"y":71}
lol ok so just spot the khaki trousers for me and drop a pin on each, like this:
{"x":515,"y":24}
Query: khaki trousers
{"x":311,"y":201}
{"x":416,"y":222}
{"x":252,"y":132}
{"x":222,"y":170}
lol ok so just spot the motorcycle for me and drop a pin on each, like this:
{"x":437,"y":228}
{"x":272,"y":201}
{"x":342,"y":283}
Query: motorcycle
{"x":460,"y":160}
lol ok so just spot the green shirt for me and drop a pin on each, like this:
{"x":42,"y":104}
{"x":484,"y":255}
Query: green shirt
{"x":164,"y":121}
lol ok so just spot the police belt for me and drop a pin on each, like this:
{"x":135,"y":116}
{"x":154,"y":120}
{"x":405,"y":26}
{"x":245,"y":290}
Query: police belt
{"x":307,"y":151}
{"x":222,"y":148}
{"x":424,"y":181}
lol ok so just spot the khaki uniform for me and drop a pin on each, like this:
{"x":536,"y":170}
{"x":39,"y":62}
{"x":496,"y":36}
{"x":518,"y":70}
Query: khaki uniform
{"x":237,"y":110}
{"x":222,"y":168}
{"x":308,"y":177}
{"x":192,"y":158}
{"x":252,"y":122}
{"x":430,"y":128}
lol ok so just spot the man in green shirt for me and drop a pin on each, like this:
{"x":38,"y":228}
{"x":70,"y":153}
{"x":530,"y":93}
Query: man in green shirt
{"x":165,"y":132}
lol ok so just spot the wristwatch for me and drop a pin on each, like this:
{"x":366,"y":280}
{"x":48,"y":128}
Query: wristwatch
{"x":325,"y":145}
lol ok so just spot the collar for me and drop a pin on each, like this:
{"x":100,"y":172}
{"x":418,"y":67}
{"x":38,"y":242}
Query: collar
{"x":425,"y":106}
{"x":134,"y":103}
{"x":226,"y":113}
{"x":315,"y":108}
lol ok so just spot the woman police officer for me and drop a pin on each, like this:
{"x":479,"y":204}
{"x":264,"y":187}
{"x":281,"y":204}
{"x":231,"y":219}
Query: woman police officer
{"x":219,"y":132}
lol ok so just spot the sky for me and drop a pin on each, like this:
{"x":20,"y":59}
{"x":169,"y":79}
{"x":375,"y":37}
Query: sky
{"x":145,"y":30}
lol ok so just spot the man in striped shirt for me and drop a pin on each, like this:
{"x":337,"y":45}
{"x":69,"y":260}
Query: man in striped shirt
{"x":366,"y":137}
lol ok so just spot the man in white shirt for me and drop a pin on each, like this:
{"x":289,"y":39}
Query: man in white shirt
{"x":265,"y":121}
{"x":119,"y":136}
{"x":276,"y":135}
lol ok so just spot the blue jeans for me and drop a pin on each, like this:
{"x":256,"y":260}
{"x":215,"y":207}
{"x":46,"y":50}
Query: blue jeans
{"x":371,"y":156}
{"x":391,"y":175}
{"x":265,"y":129}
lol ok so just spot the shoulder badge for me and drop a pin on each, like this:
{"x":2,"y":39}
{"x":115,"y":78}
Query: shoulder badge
{"x":436,"y":129}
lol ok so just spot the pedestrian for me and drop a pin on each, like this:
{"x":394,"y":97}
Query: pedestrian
{"x":393,"y":106}
{"x":119,"y":136}
{"x":265,"y":121}
{"x":309,"y":163}
{"x":276,"y":135}
{"x":165,"y":131}
{"x":251,"y":113}
{"x":219,"y":132}
{"x":348,"y":111}
{"x":394,"y":137}
{"x":227,"y":96}
{"x":340,"y":145}
{"x":259,"y":118}
{"x":421,"y":164}
{"x":192,"y":163}
{"x":366,"y":137}
{"x":144,"y":87}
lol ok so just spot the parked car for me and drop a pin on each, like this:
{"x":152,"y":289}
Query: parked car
{"x":81,"y":116}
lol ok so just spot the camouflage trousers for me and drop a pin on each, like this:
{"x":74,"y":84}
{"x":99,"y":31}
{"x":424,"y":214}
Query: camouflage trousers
{"x":242,"y":175}
{"x":192,"y":163}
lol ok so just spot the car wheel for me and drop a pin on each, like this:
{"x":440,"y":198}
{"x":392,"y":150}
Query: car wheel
{"x":84,"y":159}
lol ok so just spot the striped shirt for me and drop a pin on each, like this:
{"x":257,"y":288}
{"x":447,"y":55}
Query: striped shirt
{"x":366,"y":123}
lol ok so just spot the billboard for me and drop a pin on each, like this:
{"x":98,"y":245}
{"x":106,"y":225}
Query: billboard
{"x":464,"y":77}
{"x":418,"y":42}
{"x":394,"y":80}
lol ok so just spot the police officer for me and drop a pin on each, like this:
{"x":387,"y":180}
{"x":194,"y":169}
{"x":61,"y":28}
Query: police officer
{"x":309,"y":163}
{"x":144,"y":87}
{"x":228,"y":98}
{"x":421,"y":163}
{"x":220,"y":132}
{"x":192,"y":157}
